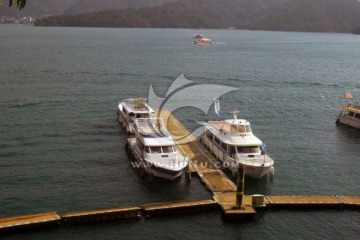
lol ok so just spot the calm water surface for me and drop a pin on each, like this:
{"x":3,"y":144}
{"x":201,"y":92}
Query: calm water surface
{"x":61,"y":148}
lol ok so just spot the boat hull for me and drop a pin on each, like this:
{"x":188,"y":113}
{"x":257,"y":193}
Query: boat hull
{"x":151,"y":168}
{"x":121,"y":117}
{"x":253,"y":170}
{"x":348,"y":121}
{"x":256,"y":172}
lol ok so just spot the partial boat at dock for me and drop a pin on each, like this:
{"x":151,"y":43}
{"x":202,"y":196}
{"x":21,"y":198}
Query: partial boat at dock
{"x":130,"y":109}
{"x":154,"y":150}
{"x":233,"y":143}
{"x":350,"y":114}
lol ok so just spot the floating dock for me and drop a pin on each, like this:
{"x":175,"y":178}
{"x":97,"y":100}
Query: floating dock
{"x":203,"y":164}
{"x":158,"y":209}
{"x":101,"y":215}
{"x":29,"y":222}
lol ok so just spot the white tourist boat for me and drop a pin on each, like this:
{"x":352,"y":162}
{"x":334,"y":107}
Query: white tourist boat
{"x":154,"y":150}
{"x":233,"y":143}
{"x":130,"y":109}
{"x":350,"y":113}
{"x":203,"y":41}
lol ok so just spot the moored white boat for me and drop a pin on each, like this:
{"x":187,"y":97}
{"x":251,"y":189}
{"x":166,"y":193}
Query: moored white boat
{"x":155,"y":151}
{"x":233,"y":143}
{"x":130,"y":109}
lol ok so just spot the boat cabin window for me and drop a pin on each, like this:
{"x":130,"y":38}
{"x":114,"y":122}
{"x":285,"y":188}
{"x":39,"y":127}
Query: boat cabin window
{"x":240,"y":128}
{"x":156,"y":150}
{"x":234,"y":128}
{"x":244,"y":150}
{"x":131,"y":115}
{"x":217,"y":140}
{"x":231,"y":150}
{"x":223,"y":146}
{"x":354,"y":114}
{"x":140,"y":144}
{"x":142,"y":115}
{"x":168,"y":149}
{"x":209,"y":134}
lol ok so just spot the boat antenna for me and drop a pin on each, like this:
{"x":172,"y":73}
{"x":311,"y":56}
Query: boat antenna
{"x":235,"y":112}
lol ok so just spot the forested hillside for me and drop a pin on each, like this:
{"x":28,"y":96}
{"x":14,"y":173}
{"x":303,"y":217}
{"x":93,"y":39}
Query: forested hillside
{"x":289,"y":15}
{"x":83,"y":6}
{"x":60,"y":7}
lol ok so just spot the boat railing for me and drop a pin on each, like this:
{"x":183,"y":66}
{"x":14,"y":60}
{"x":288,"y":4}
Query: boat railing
{"x":220,"y":148}
{"x":353,"y":105}
{"x":356,"y":105}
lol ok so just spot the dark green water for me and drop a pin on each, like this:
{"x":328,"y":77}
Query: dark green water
{"x":61,"y":148}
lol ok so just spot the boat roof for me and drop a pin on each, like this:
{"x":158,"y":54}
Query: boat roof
{"x":136,"y":105}
{"x":203,"y":39}
{"x":222,"y":130}
{"x":351,"y":108}
{"x":152,"y":132}
{"x":230,"y":125}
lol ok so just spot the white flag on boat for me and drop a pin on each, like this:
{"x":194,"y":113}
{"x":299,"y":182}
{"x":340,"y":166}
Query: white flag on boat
{"x":348,"y":95}
{"x":217,"y":106}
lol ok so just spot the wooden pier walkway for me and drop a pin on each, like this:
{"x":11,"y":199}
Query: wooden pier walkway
{"x":204,"y":165}
{"x":29,"y":221}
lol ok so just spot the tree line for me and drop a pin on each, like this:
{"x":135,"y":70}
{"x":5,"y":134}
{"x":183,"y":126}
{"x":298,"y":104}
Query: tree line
{"x":20,"y":3}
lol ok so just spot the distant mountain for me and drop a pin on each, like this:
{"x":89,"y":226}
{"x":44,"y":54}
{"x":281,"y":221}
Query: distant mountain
{"x":83,"y":6}
{"x":310,"y":15}
{"x":288,"y":15}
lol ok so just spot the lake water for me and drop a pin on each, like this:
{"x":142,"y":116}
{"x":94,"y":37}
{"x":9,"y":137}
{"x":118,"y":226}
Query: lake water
{"x":61,"y":148}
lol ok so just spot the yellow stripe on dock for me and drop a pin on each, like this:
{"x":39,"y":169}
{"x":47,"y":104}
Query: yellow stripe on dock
{"x":303,"y":200}
{"x":29,"y":221}
{"x":350,"y":201}
{"x":178,"y":207}
{"x":101,"y":215}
